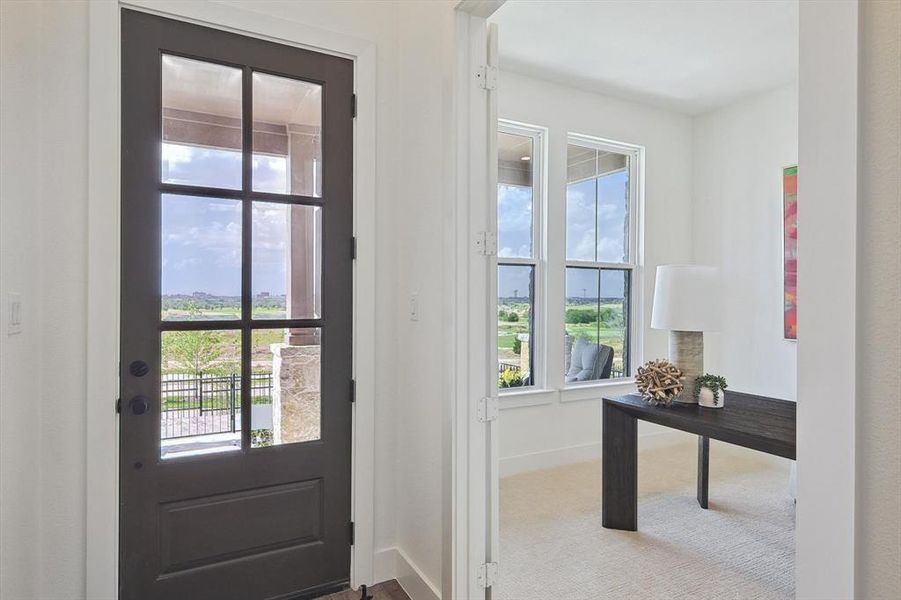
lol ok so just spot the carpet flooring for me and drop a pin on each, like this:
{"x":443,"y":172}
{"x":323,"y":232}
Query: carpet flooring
{"x":553,"y":546}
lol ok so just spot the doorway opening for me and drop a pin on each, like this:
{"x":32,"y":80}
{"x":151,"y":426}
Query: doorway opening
{"x":668,"y":135}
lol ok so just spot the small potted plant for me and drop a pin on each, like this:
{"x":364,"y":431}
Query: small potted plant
{"x":710,"y":390}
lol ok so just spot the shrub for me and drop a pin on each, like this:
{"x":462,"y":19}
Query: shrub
{"x":260,"y":437}
{"x":510,"y":378}
{"x":577,"y":316}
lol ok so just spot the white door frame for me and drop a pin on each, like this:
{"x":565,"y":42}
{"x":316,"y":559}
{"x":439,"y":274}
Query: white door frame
{"x":828,"y":163}
{"x":473,"y":278}
{"x":102,"y":451}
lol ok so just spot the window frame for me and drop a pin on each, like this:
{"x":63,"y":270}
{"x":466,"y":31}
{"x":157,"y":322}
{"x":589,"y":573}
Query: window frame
{"x":634,"y":300}
{"x":538,"y":260}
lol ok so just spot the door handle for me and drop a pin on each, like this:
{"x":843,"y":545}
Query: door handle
{"x":139,"y":405}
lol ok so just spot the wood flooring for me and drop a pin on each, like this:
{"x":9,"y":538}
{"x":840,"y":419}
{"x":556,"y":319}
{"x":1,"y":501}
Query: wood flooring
{"x":387,"y":590}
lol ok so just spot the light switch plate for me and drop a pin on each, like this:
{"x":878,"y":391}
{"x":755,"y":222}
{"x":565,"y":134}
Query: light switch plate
{"x":14,"y":313}
{"x":414,"y":307}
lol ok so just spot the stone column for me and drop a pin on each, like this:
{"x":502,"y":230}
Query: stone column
{"x":524,"y":353}
{"x":296,"y":410}
{"x":296,"y":364}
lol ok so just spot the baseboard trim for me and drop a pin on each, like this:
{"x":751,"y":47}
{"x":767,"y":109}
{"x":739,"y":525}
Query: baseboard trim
{"x":547,"y":459}
{"x":393,"y":563}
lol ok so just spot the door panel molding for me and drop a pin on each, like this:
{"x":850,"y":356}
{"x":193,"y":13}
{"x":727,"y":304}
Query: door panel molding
{"x":103,"y":265}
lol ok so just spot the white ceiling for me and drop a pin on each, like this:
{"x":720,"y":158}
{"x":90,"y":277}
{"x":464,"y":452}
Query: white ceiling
{"x":690,"y":56}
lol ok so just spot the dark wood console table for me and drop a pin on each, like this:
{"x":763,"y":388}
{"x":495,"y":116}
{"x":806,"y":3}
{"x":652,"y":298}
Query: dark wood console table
{"x":756,"y":422}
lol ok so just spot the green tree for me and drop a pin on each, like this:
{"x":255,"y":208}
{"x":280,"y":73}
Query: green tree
{"x":194,"y":351}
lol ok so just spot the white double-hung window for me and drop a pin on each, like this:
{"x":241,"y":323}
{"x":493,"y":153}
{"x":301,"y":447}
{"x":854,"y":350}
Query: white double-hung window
{"x":589,"y":273}
{"x":601,"y":258}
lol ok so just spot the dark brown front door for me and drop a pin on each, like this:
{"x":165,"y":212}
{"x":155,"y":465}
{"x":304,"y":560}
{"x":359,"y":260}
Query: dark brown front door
{"x":236,"y":346}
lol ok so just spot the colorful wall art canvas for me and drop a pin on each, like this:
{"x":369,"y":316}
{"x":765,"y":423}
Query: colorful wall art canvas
{"x":790,"y":251}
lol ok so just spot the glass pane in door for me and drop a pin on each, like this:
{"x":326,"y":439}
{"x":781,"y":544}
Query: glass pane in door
{"x":200,"y":392}
{"x":201,"y":258}
{"x":201,"y":122}
{"x":287,"y":261}
{"x":286,"y":394}
{"x":287,"y":136}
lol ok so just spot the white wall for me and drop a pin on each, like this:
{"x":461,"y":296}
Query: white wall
{"x":739,"y":153}
{"x":43,"y":247}
{"x":19,"y":120}
{"x":566,"y":426}
{"x":878,"y":510}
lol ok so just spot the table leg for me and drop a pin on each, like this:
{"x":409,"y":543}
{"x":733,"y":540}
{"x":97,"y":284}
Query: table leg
{"x":703,"y":469}
{"x":619,"y":481}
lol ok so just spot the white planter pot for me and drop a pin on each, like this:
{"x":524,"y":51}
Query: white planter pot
{"x":706,"y":398}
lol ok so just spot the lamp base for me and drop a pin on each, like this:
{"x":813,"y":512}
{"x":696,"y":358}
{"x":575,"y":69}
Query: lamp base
{"x":686,"y":351}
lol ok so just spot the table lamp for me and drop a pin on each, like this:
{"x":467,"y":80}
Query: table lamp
{"x":687,"y":303}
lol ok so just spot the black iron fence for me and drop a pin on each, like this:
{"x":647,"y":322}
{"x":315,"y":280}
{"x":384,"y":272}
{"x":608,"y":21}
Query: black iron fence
{"x":505,"y":366}
{"x":201,"y":404}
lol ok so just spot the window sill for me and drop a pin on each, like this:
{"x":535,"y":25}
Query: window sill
{"x":521,"y":398}
{"x":528,"y":397}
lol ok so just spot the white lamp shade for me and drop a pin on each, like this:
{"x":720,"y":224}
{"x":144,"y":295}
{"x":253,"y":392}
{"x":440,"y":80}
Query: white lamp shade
{"x":687,"y":298}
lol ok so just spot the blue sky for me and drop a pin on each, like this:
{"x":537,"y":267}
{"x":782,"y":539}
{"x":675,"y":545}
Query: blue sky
{"x":202,"y":246}
{"x":201,"y":237}
{"x":601,"y":238}
{"x":587,"y":238}
{"x":514,"y":221}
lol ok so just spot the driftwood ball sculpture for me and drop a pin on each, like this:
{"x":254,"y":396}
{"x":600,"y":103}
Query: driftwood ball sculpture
{"x":659,"y":381}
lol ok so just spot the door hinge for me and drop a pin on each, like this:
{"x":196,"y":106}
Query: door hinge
{"x":487,"y":574}
{"x":353,"y":106}
{"x":486,"y":243}
{"x":353,"y":390}
{"x":351,"y":533}
{"x":487,"y":77}
{"x":118,"y":405}
{"x":488,"y":409}
{"x":353,"y":248}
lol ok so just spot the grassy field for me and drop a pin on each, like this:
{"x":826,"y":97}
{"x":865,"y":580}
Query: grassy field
{"x":220,"y":308}
{"x":508,"y":328}
{"x":610,"y":332}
